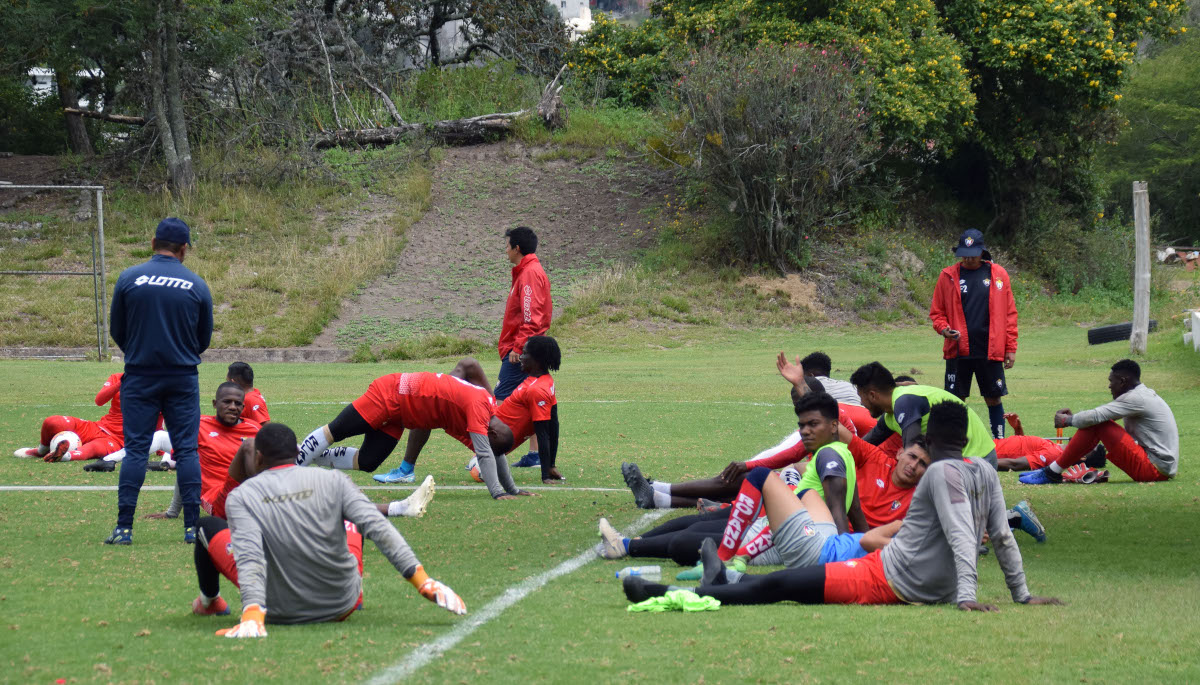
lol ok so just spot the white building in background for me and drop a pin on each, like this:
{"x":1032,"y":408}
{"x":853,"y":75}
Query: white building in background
{"x":41,"y":80}
{"x":577,"y":13}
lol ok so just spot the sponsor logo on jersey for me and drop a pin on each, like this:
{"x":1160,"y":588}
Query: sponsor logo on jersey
{"x":831,"y":465}
{"x":254,"y":408}
{"x":895,"y":505}
{"x":213,"y":434}
{"x":542,"y":403}
{"x":167,"y":281}
{"x":287,"y":497}
{"x":987,"y":282}
{"x":808,"y":530}
{"x":900,"y":417}
{"x":880,"y":483}
{"x":851,"y":563}
{"x":999,"y":285}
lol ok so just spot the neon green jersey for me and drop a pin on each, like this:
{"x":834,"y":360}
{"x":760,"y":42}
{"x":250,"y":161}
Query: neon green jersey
{"x":910,"y":402}
{"x":824,"y":464}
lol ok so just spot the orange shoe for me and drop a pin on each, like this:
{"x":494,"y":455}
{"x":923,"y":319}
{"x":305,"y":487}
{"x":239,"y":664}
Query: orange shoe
{"x":217,"y":607}
{"x":473,"y":467}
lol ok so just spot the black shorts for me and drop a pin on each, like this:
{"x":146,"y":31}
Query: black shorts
{"x":988,"y":374}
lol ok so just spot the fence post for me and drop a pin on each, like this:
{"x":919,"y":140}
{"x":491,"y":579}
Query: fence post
{"x":1141,"y":269}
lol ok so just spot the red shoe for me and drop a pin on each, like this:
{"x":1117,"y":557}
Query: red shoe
{"x":217,"y":607}
{"x":60,"y":451}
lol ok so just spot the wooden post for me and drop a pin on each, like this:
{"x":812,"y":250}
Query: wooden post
{"x":1141,"y":270}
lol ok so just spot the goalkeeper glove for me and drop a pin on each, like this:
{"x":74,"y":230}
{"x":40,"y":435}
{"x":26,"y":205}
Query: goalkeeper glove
{"x":252,"y":625}
{"x":440,"y":594}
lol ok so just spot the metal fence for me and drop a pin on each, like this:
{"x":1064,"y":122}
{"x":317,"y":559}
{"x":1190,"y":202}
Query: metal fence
{"x":99,"y":294}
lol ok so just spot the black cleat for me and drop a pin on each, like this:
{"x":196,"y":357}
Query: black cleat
{"x":714,"y":568}
{"x":635,"y":589}
{"x":158,"y":466}
{"x":101,"y":466}
{"x":643,"y":494}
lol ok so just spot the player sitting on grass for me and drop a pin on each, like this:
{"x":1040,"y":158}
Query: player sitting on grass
{"x":292,"y":544}
{"x":932,"y":558}
{"x":530,"y":410}
{"x":416,"y":401}
{"x":255,"y":407}
{"x":1147,"y":448}
{"x":66,"y":438}
{"x":904,"y":410}
{"x":724,"y":486}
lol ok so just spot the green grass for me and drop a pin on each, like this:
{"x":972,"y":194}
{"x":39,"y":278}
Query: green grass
{"x":1121,"y":554}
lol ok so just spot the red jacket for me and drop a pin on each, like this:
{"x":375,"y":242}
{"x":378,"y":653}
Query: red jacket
{"x":946,"y":312}
{"x":528,"y":309}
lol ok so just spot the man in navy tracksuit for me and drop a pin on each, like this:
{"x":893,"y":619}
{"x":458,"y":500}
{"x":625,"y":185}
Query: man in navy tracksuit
{"x":162,"y":320}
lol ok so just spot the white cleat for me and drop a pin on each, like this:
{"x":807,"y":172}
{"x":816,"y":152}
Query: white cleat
{"x":611,"y":546}
{"x":27,"y":453}
{"x":420,"y":499}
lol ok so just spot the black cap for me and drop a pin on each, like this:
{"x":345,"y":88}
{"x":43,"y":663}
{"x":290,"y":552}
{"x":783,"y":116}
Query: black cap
{"x":174,"y":231}
{"x":970,"y":244}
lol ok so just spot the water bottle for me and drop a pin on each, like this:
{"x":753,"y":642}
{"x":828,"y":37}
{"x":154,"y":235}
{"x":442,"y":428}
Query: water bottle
{"x":651,"y":573}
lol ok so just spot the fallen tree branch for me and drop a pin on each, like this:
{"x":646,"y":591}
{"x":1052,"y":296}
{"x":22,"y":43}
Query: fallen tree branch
{"x":387,"y":101}
{"x":114,"y":118}
{"x":467,"y":131}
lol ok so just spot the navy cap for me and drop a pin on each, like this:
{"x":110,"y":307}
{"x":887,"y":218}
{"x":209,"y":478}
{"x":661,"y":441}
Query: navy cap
{"x":173,"y":230}
{"x":970,"y":244}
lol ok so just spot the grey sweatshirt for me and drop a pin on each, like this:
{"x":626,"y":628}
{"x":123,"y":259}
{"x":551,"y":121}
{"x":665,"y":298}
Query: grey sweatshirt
{"x":289,"y":542}
{"x":932,"y":558}
{"x":1147,"y":418}
{"x":840,"y":390}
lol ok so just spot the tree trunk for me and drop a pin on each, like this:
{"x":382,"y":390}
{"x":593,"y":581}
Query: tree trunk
{"x":186,"y":178}
{"x":435,"y":23}
{"x":467,"y":131}
{"x":158,"y":99}
{"x":104,"y":116}
{"x":77,"y":135}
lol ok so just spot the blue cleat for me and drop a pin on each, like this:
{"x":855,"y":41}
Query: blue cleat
{"x":1042,"y":476}
{"x":120,"y":536}
{"x":1029,"y":521}
{"x":397,"y":475}
{"x":189,"y":535}
{"x":530,"y":459}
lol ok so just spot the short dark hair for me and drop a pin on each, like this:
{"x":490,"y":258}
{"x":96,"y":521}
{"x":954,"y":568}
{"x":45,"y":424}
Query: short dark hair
{"x":277,"y":442}
{"x":523,"y":238}
{"x":947,"y":425}
{"x":874,"y":376}
{"x":544,"y":351}
{"x":242,"y":372}
{"x":817,"y":363}
{"x":818,"y":402}
{"x":813,"y":384}
{"x":167,"y":245}
{"x":1129,"y":369}
{"x":904,"y":378}
{"x":230,"y":384}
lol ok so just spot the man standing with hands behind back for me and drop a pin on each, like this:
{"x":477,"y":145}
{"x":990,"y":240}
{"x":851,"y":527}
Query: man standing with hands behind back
{"x":162,"y":319}
{"x":974,"y":310}
{"x":526,"y":313}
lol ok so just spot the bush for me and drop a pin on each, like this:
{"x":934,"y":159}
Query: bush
{"x":30,"y":125}
{"x":781,"y":131}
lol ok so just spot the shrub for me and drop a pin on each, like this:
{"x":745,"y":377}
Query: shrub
{"x":781,"y":131}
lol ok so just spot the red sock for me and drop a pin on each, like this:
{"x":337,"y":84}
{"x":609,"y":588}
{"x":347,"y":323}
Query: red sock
{"x":757,"y":545}
{"x":743,"y":512}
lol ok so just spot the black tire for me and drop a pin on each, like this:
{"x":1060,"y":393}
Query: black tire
{"x":1115,"y":332}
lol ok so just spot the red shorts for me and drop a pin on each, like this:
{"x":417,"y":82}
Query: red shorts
{"x":859,"y":581}
{"x":375,"y":405}
{"x":220,"y":550}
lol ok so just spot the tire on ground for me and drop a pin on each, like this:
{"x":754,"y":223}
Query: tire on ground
{"x":1115,"y":332}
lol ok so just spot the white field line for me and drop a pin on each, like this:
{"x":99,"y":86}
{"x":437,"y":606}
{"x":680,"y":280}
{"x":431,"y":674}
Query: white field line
{"x":113,"y":488}
{"x":333,"y":403}
{"x":429,"y":651}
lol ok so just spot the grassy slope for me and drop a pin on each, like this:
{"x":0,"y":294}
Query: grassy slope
{"x":1119,"y":554}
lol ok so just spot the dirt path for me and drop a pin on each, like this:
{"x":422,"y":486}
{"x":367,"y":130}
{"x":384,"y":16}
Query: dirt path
{"x":452,"y":276}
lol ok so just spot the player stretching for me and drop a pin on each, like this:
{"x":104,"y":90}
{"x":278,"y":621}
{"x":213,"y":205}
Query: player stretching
{"x":1147,"y":448}
{"x":932,"y":558}
{"x":85,"y":439}
{"x":291,"y":531}
{"x":417,"y":401}
{"x":255,"y":407}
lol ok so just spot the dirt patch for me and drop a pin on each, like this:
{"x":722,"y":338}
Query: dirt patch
{"x":453,"y":277}
{"x":797,"y":291}
{"x":28,"y":170}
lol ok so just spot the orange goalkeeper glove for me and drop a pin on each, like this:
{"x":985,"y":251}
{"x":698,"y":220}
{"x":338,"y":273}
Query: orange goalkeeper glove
{"x":253,"y":623}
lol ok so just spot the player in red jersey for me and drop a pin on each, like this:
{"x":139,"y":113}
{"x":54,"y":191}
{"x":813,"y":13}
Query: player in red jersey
{"x":255,"y":405}
{"x":94,"y":438}
{"x":423,"y":400}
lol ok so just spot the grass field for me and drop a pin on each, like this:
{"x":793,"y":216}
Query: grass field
{"x":1121,"y":555}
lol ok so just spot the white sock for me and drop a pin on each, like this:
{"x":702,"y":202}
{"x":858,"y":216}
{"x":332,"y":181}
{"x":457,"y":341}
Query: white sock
{"x":1055,"y":467}
{"x":161,"y":442}
{"x":115,"y":456}
{"x":341,"y":458}
{"x":313,"y":445}
{"x":209,"y":600}
{"x":398,"y":508}
{"x":661,"y":487}
{"x":662,"y":500}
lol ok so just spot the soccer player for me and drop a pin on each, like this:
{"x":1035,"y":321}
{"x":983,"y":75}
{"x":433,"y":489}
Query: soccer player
{"x":819,"y":366}
{"x":292,"y":545}
{"x":1146,"y":448}
{"x":95,"y":438}
{"x":255,"y":406}
{"x":904,"y":410}
{"x":932,"y":558}
{"x":527,"y":312}
{"x":531,"y":411}
{"x":417,"y":401}
{"x":974,"y":310}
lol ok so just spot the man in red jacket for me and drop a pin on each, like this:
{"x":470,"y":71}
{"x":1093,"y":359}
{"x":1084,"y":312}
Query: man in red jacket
{"x":974,"y":310}
{"x":526,"y":313}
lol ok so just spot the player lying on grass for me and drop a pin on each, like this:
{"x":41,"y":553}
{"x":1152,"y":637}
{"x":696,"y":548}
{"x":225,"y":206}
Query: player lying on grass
{"x":1020,"y":452}
{"x":255,"y":407}
{"x":292,"y":544}
{"x":530,"y":410}
{"x":1146,"y":448}
{"x":904,"y":410}
{"x":66,"y":438}
{"x":724,"y":486}
{"x":416,"y":401}
{"x":932,"y":558}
